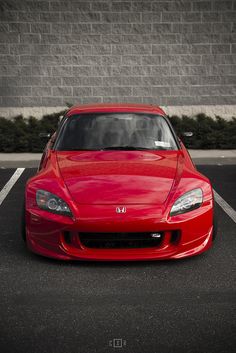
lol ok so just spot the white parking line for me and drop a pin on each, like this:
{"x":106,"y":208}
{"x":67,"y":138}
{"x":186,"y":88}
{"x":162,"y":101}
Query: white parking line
{"x":5,"y":190}
{"x":225,"y":206}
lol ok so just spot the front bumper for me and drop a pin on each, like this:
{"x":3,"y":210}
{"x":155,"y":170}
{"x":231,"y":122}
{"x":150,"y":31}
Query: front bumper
{"x":45,"y":233}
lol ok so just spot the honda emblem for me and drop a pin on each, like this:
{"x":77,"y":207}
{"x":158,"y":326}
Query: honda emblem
{"x":121,"y":209}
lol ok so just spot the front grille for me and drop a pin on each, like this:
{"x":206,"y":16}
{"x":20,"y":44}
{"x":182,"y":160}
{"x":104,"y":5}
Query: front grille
{"x":121,"y":240}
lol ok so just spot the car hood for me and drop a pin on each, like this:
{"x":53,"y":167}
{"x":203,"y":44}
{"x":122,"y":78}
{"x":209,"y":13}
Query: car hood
{"x":118,"y":177}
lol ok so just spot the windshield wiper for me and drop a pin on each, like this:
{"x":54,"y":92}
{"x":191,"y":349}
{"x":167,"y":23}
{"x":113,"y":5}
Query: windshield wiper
{"x":127,"y":148}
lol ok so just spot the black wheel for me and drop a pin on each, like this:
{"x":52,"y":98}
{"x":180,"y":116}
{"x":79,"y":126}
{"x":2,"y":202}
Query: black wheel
{"x":23,"y":232}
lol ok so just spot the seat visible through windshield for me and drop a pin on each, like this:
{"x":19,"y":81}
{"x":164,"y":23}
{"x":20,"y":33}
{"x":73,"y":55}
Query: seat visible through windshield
{"x":100,"y":131}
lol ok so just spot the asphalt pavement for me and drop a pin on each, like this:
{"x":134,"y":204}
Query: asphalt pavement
{"x":85,"y":307}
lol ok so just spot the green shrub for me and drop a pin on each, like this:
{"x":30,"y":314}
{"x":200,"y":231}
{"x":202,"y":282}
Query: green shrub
{"x":7,"y":136}
{"x":22,"y":135}
{"x":208,"y":133}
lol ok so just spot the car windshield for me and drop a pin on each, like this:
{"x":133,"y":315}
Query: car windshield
{"x":115,"y":131}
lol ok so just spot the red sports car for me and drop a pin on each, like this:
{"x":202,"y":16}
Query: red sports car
{"x":115,"y":183}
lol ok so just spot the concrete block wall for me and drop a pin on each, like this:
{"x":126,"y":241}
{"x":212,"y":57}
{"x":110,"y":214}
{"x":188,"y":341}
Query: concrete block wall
{"x":174,"y":53}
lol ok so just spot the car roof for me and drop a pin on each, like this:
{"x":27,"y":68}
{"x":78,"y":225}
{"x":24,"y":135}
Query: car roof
{"x":114,"y":108}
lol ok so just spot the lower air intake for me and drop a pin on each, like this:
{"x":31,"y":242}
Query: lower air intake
{"x":121,"y":240}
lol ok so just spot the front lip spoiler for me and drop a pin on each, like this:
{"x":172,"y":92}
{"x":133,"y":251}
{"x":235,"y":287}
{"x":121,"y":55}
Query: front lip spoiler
{"x":166,"y":253}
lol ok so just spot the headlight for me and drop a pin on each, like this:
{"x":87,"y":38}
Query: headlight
{"x":187,"y":202}
{"x":52,"y":203}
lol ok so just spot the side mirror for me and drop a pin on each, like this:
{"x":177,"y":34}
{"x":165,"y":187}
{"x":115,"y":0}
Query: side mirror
{"x":44,"y":135}
{"x":187,"y":134}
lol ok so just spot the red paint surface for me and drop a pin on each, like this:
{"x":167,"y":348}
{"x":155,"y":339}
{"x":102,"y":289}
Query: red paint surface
{"x":94,"y":183}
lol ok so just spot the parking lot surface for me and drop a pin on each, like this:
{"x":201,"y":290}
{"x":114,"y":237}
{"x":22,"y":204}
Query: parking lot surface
{"x":154,"y":307}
